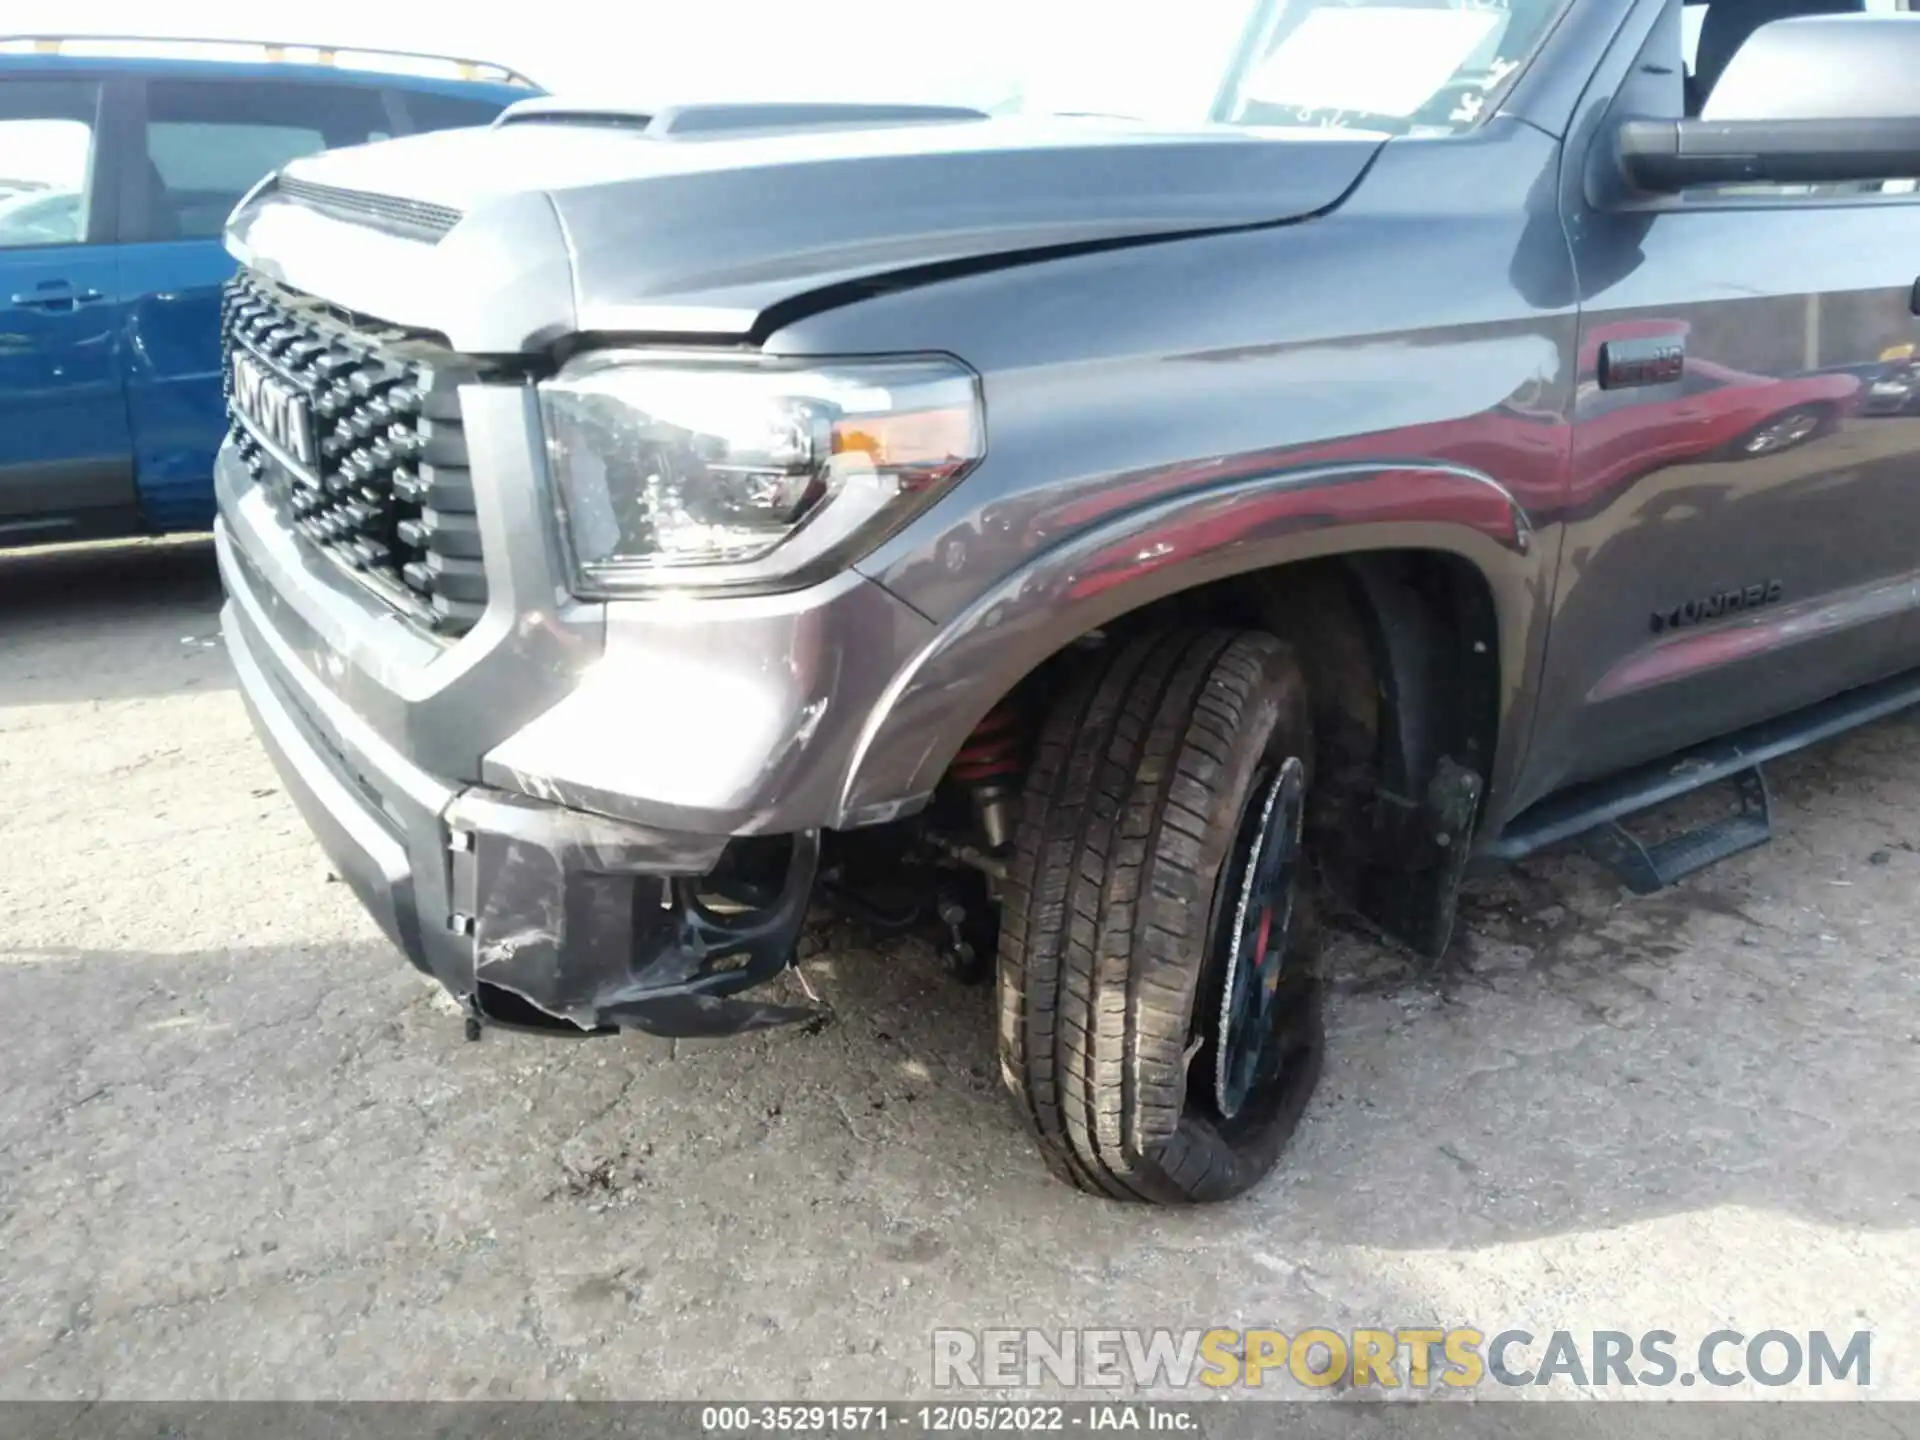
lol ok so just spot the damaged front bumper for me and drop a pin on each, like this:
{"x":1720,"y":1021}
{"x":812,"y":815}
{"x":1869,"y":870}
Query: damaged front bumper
{"x":567,"y":911}
{"x":531,"y":914}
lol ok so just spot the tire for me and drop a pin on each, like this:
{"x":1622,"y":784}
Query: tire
{"x":1154,"y":773}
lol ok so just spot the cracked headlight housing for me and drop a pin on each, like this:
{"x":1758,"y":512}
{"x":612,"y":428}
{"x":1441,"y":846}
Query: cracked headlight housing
{"x":747,"y":472}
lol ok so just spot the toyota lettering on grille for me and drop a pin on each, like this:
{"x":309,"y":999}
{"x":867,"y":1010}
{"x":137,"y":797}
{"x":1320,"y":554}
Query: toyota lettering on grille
{"x":277,"y":412}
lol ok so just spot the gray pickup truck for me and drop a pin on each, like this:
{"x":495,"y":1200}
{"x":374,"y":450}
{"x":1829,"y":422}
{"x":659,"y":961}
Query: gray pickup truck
{"x":1091,"y":526}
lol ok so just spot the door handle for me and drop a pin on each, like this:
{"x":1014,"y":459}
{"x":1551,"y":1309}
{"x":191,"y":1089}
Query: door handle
{"x":56,"y":295}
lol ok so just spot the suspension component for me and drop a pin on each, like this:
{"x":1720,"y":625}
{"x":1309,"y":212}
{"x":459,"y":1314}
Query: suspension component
{"x":990,"y":765}
{"x":996,"y":748}
{"x":971,"y":936}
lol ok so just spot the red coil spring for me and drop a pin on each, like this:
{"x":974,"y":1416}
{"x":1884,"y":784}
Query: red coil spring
{"x":995,"y":750}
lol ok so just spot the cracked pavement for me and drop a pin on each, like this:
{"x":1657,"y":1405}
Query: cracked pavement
{"x":245,"y":1151}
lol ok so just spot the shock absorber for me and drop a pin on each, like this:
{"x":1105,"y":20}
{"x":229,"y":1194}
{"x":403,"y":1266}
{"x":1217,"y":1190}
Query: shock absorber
{"x":990,"y":765}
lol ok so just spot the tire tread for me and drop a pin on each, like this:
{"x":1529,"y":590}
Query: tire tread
{"x":1107,"y":906}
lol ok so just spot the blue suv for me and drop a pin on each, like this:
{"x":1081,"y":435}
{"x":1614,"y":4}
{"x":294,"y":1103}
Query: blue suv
{"x":119,"y":163}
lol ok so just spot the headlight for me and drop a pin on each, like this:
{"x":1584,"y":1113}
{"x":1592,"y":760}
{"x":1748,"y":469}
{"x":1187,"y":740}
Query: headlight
{"x":746,"y":472}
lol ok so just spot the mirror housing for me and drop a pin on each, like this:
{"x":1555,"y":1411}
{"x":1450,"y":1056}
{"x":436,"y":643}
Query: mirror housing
{"x":1665,"y":156}
{"x":1811,"y":100}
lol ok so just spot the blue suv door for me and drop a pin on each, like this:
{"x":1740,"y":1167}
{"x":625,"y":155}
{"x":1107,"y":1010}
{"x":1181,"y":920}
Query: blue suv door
{"x":65,"y":458}
{"x":207,"y":142}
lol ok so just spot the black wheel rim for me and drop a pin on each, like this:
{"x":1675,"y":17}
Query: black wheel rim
{"x":1253,"y":940}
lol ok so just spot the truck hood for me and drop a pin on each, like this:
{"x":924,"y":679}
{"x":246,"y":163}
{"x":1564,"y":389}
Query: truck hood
{"x":504,"y":239}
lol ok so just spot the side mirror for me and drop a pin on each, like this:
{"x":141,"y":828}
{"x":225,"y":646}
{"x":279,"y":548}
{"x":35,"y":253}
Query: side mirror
{"x":1817,"y":99}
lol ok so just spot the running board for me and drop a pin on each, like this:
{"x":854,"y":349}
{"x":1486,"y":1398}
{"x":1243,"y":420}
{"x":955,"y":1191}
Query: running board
{"x":1590,"y":807}
{"x":1645,"y":869}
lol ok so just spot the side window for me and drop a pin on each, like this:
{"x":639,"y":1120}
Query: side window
{"x":209,"y":142}
{"x":1696,"y":15}
{"x":429,"y":110}
{"x":1691,"y":19}
{"x":46,"y":161}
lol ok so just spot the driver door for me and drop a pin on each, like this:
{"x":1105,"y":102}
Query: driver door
{"x":1744,"y":536}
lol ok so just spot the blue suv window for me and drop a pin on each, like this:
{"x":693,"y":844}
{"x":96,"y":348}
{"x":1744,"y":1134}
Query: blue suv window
{"x":208,"y":143}
{"x":46,"y":161}
{"x":429,"y":110}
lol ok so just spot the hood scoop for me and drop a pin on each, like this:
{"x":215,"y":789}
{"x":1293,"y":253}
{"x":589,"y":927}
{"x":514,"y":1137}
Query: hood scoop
{"x":698,"y":122}
{"x":413,"y":219}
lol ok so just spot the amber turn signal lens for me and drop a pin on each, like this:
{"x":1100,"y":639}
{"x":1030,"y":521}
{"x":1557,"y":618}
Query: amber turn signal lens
{"x":921,"y":447}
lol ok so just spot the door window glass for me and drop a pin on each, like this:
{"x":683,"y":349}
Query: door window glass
{"x":46,"y":160}
{"x":209,"y":143}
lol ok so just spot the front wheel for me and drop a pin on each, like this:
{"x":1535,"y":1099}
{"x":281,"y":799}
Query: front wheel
{"x":1159,"y":1016}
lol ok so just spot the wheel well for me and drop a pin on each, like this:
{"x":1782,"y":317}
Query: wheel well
{"x":1401,"y":655}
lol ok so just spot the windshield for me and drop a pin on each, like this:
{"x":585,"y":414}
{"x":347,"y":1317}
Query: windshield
{"x":1401,"y":66}
{"x":1394,"y":67}
{"x":1388,"y":66}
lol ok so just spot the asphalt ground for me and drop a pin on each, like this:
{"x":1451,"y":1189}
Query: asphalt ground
{"x":246,"y":1152}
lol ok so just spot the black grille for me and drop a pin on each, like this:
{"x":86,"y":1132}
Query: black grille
{"x":390,"y":498}
{"x":416,"y":218}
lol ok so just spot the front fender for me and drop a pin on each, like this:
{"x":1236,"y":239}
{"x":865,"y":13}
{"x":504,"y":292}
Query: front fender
{"x":1146,"y":554}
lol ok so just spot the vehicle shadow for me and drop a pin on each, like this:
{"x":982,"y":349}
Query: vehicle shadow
{"x":71,"y":616}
